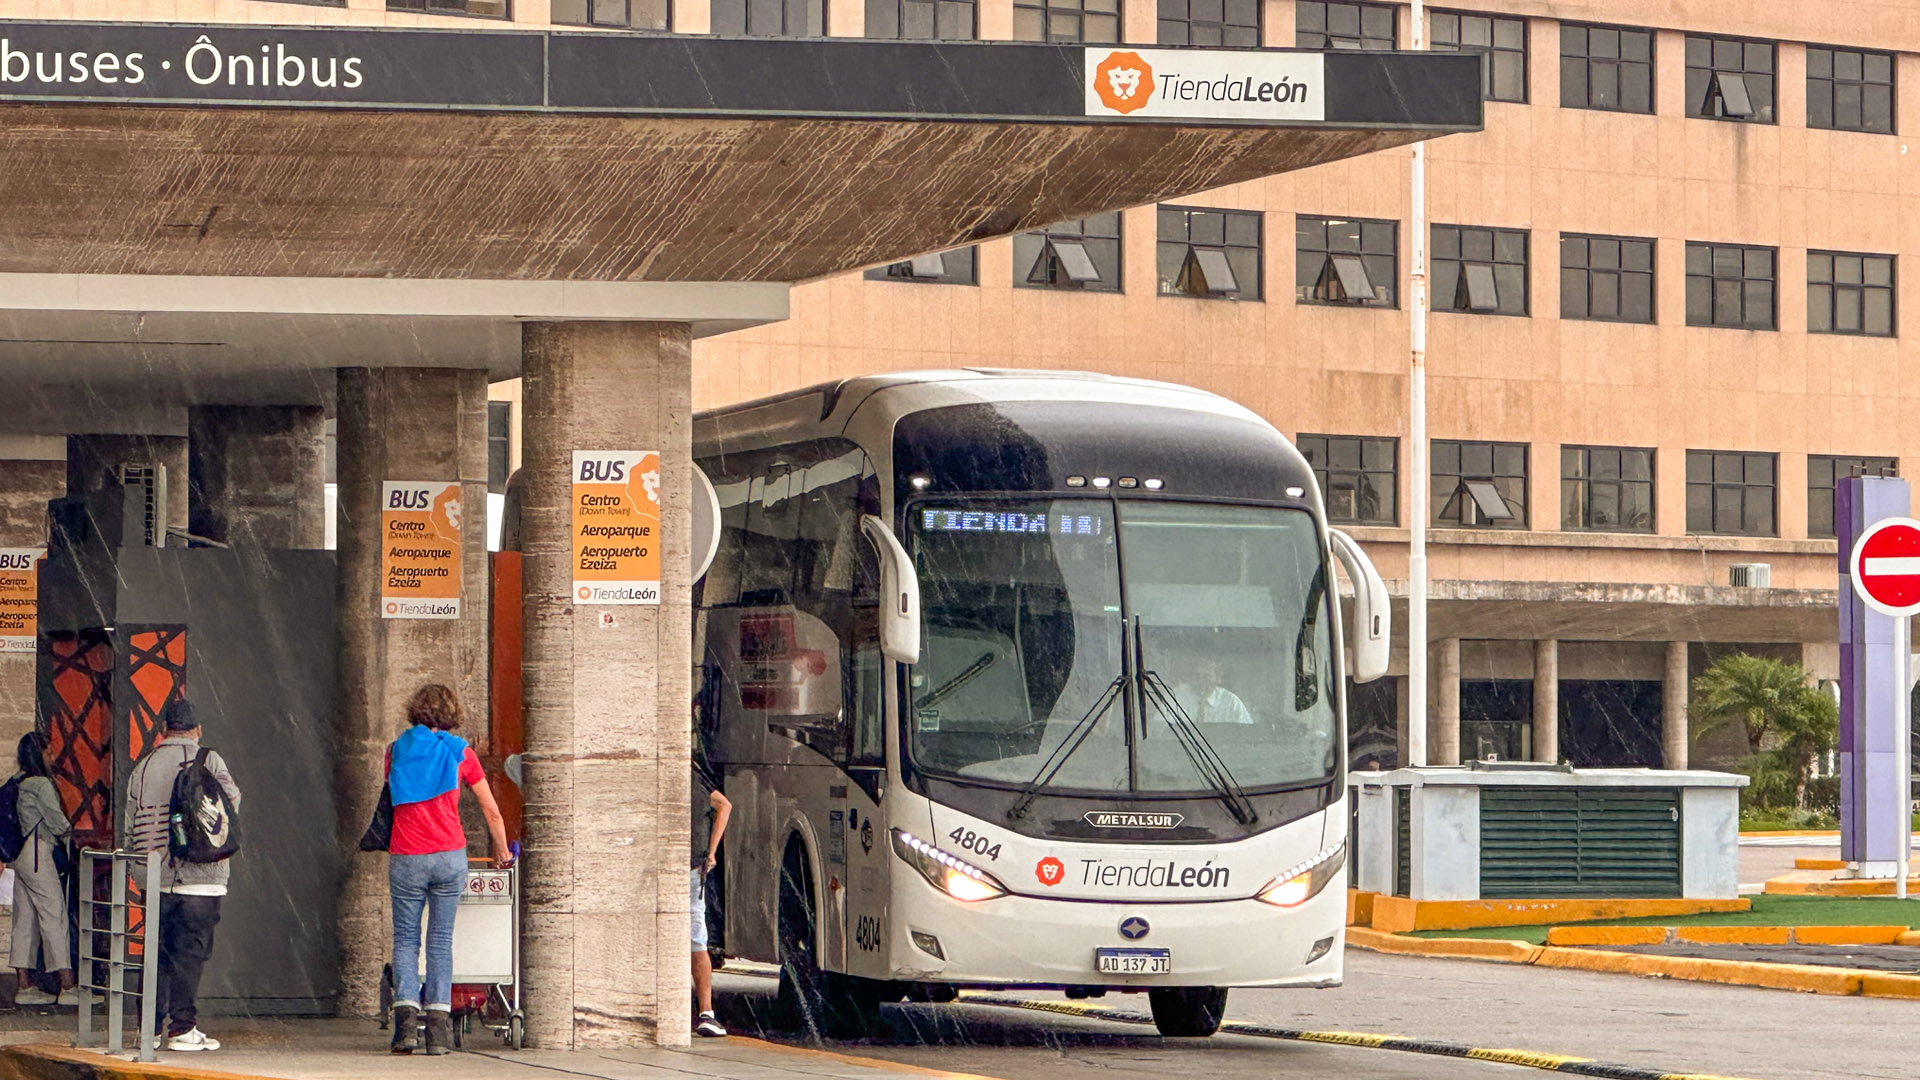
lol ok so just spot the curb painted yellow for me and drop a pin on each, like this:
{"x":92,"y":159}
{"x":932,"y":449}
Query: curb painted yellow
{"x":1510,"y":952}
{"x":1848,"y":935}
{"x":1733,"y":935}
{"x":1360,"y":907}
{"x":1804,"y":977}
{"x":1819,"y":864}
{"x":1397,"y":914}
{"x":1793,"y":832}
{"x":850,"y":1059}
{"x":42,"y":1061}
{"x":1848,"y":887}
{"x":1608,"y":935}
{"x":1911,"y":937}
{"x":1888,"y":984}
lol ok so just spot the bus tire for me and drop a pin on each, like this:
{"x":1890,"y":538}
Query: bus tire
{"x":1188,"y":1012}
{"x":822,"y":1004}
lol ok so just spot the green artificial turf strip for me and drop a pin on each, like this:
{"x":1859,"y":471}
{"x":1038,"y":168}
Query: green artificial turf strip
{"x":1767,"y":911}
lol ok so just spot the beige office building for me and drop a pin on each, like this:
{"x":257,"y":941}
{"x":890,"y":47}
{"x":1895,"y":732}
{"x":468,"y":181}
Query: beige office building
{"x":1666,"y":291}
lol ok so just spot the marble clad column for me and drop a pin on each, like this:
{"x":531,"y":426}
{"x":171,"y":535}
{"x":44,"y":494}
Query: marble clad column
{"x":1546,"y":701}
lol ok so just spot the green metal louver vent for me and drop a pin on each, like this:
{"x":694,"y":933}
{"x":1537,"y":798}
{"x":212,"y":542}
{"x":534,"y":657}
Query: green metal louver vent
{"x":1579,"y":842}
{"x":1402,"y":842}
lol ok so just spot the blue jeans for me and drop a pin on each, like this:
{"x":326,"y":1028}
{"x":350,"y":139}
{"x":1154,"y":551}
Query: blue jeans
{"x":431,"y":884}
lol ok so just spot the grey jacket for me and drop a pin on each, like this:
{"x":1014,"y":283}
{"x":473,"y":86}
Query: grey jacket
{"x":149,"y":797}
{"x":40,"y":809}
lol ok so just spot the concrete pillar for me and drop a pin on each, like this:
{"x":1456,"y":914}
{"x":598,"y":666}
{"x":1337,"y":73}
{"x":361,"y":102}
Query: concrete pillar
{"x":257,"y":475}
{"x":26,"y":486}
{"x":1546,"y":700}
{"x":1673,"y":707}
{"x":1446,"y":730}
{"x":607,"y":692}
{"x":398,"y":424}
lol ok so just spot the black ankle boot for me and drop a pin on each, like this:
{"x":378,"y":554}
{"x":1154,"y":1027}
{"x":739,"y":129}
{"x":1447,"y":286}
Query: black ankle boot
{"x":406,"y":1029}
{"x":439,"y":1032}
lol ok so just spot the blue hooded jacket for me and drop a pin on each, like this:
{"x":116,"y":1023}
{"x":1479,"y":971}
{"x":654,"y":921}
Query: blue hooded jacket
{"x":425,"y":764}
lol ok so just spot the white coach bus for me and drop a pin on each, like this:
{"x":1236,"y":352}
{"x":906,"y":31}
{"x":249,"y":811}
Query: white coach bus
{"x":1026,"y":679}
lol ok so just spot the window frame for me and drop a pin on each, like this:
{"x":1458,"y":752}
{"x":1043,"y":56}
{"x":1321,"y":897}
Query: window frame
{"x":1330,"y":41}
{"x":1078,"y":9}
{"x":1696,"y":104}
{"x":1619,"y":481}
{"x":1058,"y":231}
{"x":1860,"y":461}
{"x":1833,"y":82}
{"x":1831,"y":304}
{"x":1461,"y":476}
{"x":899,"y":9}
{"x":1306,"y":291}
{"x":1464,"y":278}
{"x":1711,"y":276}
{"x":1489,"y":51}
{"x":892,"y":271}
{"x":1223,"y":26}
{"x":665,"y":27}
{"x":1713,"y":484}
{"x":746,"y":28}
{"x":1324,"y":471}
{"x":1587,"y":61}
{"x":1620,"y":270}
{"x":1191,"y":248}
{"x":423,"y":7}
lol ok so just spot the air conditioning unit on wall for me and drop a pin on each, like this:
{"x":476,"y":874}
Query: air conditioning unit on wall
{"x":1750,"y":575}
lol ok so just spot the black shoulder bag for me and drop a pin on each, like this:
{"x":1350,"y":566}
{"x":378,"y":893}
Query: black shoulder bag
{"x":379,"y":834}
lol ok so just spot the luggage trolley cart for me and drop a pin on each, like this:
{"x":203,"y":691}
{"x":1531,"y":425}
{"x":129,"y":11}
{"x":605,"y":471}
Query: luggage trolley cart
{"x":486,"y":959}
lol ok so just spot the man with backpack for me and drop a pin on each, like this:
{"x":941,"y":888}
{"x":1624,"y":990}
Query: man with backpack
{"x":181,"y":800}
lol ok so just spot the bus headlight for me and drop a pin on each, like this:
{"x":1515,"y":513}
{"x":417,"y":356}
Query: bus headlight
{"x":1303,"y":882}
{"x":955,"y":877}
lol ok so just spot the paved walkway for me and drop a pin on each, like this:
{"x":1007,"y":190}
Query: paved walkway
{"x":1903,"y":959}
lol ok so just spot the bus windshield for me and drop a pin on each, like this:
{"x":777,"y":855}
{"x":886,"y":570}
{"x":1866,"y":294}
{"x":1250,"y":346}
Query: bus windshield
{"x":1028,"y":608}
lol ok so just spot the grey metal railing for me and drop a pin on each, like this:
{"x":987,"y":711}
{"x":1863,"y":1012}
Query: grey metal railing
{"x":122,"y":864}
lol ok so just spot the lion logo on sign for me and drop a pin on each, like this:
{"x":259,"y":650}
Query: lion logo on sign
{"x":1124,"y":82}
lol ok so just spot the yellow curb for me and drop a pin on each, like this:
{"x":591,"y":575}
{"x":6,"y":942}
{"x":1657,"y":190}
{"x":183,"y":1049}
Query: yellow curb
{"x":851,"y":1059}
{"x":1360,"y":907}
{"x":1803,"y":977}
{"x":1819,"y":864}
{"x":1848,"y":887}
{"x":1794,"y":832}
{"x":1607,"y":935}
{"x":42,"y":1061}
{"x":1398,"y":914}
{"x":1733,"y":935}
{"x":1510,"y":952}
{"x":1848,"y":935}
{"x":1887,"y":984}
{"x":1911,"y":937}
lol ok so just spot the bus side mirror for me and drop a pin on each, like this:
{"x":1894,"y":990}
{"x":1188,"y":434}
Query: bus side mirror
{"x":1371,"y":632}
{"x":899,"y":594}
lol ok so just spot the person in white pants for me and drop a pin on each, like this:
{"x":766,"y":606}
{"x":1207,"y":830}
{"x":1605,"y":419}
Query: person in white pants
{"x":39,"y":901}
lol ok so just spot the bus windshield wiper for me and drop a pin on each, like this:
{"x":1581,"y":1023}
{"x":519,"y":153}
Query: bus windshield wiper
{"x":1206,"y":760}
{"x":1076,"y":735}
{"x":939,"y":693}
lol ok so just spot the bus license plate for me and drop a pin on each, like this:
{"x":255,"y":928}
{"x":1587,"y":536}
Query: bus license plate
{"x":1133,"y":961}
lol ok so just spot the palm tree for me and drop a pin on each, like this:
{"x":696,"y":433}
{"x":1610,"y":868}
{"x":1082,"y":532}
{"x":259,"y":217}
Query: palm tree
{"x":1788,"y":722}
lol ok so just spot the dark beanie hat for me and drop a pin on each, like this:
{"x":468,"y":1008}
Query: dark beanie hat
{"x":178,"y":716}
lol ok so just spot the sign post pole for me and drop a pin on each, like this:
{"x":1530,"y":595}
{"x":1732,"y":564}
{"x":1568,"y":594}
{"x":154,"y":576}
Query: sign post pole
{"x":1885,"y":566}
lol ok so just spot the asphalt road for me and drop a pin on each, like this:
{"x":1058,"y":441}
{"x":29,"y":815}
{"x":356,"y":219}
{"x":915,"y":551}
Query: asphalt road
{"x":1648,"y":1023}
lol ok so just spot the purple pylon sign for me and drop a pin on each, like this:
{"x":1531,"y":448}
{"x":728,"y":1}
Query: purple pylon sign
{"x":1871,"y":802}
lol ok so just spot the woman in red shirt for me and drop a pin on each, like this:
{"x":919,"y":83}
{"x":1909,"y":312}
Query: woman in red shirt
{"x":427,"y":865}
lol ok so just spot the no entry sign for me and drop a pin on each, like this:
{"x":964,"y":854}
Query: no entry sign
{"x":1886,"y":567}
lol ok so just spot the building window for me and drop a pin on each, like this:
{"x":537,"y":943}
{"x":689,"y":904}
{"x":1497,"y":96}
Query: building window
{"x":1094,"y":21}
{"x":1501,"y":42}
{"x":1349,"y":261}
{"x":1730,"y":285}
{"x":499,"y":445}
{"x":1606,"y":67}
{"x":1606,"y":278}
{"x":315,"y":3}
{"x":1357,"y":476}
{"x":1849,"y":293}
{"x":954,"y":267}
{"x":1730,"y":79}
{"x":923,"y":20}
{"x":626,"y":14}
{"x":1214,"y":254}
{"x":1344,"y":26}
{"x":492,"y":9}
{"x":1606,"y":489}
{"x":1234,"y":24}
{"x":1083,"y":254}
{"x":1730,"y":492}
{"x":770,"y":18}
{"x":1826,"y":470}
{"x":1481,"y":271}
{"x":1848,"y":90}
{"x":1479,"y":484}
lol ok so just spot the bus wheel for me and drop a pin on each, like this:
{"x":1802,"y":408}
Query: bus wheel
{"x":820,"y":1003}
{"x":1188,"y":1012}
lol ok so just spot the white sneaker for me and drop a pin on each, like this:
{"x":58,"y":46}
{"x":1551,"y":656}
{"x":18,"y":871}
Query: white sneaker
{"x":193,"y":1040}
{"x":709,"y":1027}
{"x":74,"y":997}
{"x":33,"y":995}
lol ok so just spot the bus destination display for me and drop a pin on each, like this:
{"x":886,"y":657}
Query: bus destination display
{"x":1012,"y":521}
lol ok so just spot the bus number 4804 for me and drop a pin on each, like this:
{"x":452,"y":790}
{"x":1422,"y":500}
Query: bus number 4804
{"x":968,"y":840}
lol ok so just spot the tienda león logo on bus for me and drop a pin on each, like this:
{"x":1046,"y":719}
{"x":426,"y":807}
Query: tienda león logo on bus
{"x":1124,"y":81}
{"x":1051,"y":871}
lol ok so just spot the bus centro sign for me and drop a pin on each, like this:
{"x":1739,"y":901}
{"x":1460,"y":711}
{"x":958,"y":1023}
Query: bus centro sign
{"x":1116,"y":819}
